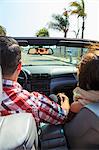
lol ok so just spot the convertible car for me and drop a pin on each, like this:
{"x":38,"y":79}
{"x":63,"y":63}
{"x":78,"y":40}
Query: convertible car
{"x":49,"y":66}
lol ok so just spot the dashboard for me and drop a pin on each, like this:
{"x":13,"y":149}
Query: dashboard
{"x":54,"y":79}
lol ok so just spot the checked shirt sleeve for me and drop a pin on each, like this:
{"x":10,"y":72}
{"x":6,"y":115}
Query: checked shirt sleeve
{"x":17,"y":100}
{"x":49,"y":111}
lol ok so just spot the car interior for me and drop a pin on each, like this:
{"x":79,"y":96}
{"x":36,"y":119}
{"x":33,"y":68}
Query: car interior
{"x":56,"y":69}
{"x":51,"y":65}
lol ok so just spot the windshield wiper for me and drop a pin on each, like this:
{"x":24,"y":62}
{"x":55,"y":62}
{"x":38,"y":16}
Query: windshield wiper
{"x":28,"y":65}
{"x":67,"y":64}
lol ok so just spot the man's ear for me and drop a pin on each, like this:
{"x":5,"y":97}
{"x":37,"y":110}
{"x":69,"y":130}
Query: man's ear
{"x":19,"y":67}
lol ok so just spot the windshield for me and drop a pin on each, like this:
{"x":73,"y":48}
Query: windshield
{"x":51,"y":55}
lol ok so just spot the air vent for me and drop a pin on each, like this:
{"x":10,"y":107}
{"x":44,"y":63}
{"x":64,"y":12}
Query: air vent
{"x":41,"y":76}
{"x":68,"y":75}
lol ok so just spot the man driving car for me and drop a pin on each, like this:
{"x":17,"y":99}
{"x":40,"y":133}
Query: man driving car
{"x":15,"y":99}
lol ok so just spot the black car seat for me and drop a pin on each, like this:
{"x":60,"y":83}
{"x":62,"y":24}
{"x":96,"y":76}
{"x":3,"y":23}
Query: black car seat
{"x":52,"y":138}
{"x":82,"y":132}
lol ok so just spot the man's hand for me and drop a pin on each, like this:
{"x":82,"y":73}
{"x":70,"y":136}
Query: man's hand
{"x":64,"y":101}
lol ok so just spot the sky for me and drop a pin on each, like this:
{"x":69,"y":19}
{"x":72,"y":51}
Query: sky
{"x":26,"y":17}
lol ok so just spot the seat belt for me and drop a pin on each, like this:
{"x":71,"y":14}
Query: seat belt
{"x":94,"y":107}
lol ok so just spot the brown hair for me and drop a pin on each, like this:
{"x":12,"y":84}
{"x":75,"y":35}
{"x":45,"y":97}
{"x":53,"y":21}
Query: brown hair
{"x":89,"y":76}
{"x":10,"y":55}
{"x":93,"y":47}
{"x":92,"y":53}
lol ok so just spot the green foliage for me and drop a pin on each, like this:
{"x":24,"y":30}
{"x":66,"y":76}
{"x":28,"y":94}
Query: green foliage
{"x":60,"y":22}
{"x":79,"y":10}
{"x":2,"y":31}
{"x":42,"y":33}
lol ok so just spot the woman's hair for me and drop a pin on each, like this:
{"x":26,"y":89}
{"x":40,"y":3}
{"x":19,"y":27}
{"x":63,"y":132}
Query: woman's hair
{"x":88,"y":69}
{"x":86,"y":58}
{"x":89,"y":75}
{"x":93,"y":47}
{"x":92,"y":53}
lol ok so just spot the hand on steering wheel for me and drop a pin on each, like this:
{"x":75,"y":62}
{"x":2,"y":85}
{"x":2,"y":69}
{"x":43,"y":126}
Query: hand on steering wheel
{"x":64,"y":101}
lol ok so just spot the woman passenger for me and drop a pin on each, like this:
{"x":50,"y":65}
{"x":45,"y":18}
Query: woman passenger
{"x":87,"y":90}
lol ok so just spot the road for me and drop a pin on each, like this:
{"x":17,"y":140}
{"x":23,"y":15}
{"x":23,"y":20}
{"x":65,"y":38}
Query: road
{"x":45,"y":60}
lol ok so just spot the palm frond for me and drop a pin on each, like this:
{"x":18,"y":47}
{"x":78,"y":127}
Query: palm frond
{"x":82,"y":13}
{"x":60,"y":23}
{"x":74,"y":4}
{"x":54,"y":26}
{"x":79,"y":8}
{"x":74,"y":12}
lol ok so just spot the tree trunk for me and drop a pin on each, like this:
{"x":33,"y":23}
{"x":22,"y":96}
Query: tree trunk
{"x":83,"y":27}
{"x":82,"y":36}
{"x":78,"y":29}
{"x":65,"y":34}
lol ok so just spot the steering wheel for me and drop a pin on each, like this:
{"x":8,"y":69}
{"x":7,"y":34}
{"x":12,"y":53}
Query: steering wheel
{"x":22,"y":78}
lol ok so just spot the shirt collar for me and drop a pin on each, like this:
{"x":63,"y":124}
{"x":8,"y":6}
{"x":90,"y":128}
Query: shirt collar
{"x":11,"y":83}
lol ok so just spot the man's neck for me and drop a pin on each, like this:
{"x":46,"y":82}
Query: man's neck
{"x":12,"y":78}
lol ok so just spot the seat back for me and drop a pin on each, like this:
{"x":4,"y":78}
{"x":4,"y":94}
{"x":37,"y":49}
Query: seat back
{"x":94,"y":107}
{"x":83,"y":131}
{"x":18,"y":132}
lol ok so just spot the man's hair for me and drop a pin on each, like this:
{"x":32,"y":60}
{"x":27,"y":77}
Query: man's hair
{"x":89,"y":76}
{"x":10,"y":55}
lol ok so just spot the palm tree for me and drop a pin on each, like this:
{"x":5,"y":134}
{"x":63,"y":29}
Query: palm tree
{"x":60,"y":22}
{"x":79,"y":10}
{"x":2,"y":31}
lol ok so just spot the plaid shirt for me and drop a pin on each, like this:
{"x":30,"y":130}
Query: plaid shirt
{"x":15,"y":99}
